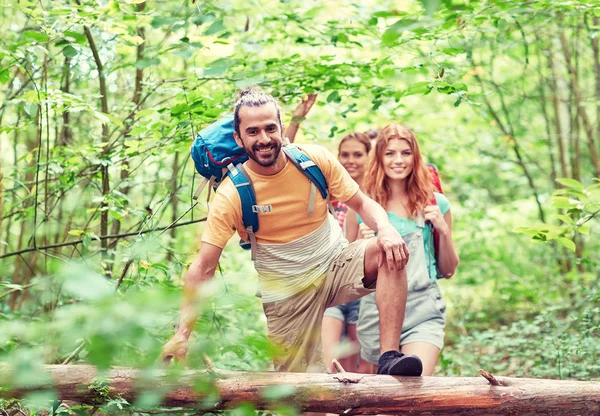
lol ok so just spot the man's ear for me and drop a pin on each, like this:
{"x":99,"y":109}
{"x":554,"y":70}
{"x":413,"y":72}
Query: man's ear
{"x":237,"y":139}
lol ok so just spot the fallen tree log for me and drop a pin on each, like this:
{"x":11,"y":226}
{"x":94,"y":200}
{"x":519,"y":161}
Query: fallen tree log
{"x":347,"y":393}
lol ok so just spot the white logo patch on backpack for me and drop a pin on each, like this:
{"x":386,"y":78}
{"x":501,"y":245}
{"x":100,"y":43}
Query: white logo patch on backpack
{"x":262,"y":209}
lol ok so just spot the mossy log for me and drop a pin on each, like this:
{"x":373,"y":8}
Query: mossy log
{"x":346,"y":393}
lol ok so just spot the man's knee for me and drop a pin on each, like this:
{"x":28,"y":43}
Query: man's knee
{"x":372,"y":269}
{"x":371,"y":266}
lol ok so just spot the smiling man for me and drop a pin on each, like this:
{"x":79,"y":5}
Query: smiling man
{"x":303,"y":261}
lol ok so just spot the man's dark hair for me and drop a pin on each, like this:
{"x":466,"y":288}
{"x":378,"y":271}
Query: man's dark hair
{"x":253,"y":97}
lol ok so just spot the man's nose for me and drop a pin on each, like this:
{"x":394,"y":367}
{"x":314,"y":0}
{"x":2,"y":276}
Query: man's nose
{"x":263,"y":137}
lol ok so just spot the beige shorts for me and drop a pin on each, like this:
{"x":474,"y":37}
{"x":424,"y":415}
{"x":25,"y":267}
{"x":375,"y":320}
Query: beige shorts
{"x":295,"y":323}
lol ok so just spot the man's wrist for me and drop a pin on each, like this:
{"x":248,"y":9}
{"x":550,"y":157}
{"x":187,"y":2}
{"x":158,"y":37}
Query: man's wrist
{"x":383,"y":227}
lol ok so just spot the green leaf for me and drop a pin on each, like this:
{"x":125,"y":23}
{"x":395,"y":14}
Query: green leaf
{"x":430,"y":6}
{"x":453,"y":51}
{"x":37,"y":36}
{"x":75,"y":37}
{"x":179,"y":108}
{"x":87,"y":240}
{"x":219,"y":66}
{"x":570,"y":183}
{"x":597,"y":12}
{"x":563,"y":202}
{"x":147,"y":62}
{"x":76,"y":232}
{"x":146,"y":112}
{"x":387,"y":14}
{"x":395,"y":31}
{"x":584,"y":229}
{"x":69,"y":51}
{"x":334,"y":97}
{"x":565,"y":218}
{"x":423,"y":87}
{"x":216,"y":27}
{"x":566,"y":242}
{"x":4,"y":75}
{"x":162,"y":21}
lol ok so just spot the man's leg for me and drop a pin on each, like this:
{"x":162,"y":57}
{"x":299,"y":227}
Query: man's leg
{"x":390,"y":296}
{"x":294,"y":326}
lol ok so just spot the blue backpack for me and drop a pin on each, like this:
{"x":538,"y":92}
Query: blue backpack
{"x":216,"y":154}
{"x":213,"y":150}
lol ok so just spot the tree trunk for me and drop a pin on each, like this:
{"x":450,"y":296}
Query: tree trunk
{"x":558,"y":127}
{"x":579,"y":105}
{"x":105,"y":182}
{"x":335,"y":393}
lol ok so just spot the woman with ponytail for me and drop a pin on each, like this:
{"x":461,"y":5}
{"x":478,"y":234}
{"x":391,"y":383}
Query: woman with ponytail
{"x":398,"y":179}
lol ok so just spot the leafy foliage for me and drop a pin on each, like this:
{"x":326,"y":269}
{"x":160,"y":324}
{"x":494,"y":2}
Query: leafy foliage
{"x":100,"y":101}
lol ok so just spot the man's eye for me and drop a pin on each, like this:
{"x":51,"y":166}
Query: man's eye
{"x":271,"y":129}
{"x":252,"y":132}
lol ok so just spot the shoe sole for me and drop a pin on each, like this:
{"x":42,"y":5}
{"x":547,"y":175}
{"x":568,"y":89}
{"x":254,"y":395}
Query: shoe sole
{"x":407,"y":366}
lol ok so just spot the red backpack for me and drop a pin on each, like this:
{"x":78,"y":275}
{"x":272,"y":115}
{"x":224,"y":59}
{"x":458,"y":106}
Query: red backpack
{"x":437,"y":183}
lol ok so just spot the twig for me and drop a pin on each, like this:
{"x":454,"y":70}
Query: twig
{"x":489,"y":377}
{"x":338,"y":366}
{"x":125,"y":269}
{"x":16,"y":290}
{"x":340,"y":369}
{"x":210,"y":367}
{"x":74,"y":353}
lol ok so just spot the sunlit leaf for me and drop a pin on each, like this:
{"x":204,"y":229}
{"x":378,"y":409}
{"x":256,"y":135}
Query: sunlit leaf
{"x":570,"y":183}
{"x":566,"y":242}
{"x":37,"y":36}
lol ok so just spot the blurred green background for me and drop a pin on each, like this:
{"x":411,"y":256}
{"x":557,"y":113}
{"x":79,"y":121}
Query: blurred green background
{"x":100,"y":101}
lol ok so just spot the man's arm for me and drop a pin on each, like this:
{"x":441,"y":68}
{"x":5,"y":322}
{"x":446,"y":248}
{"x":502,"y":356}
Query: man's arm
{"x":201,"y":270}
{"x":391,"y":248}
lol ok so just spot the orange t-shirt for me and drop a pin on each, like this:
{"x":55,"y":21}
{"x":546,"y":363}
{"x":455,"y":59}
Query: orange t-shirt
{"x":287,"y":192}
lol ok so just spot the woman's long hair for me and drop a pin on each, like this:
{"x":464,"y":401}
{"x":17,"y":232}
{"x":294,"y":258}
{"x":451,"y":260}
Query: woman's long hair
{"x":419,"y":187}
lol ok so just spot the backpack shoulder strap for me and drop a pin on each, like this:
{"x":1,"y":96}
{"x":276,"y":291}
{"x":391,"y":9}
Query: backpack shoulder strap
{"x":307,"y":167}
{"x":242,"y":182}
{"x":312,"y":172}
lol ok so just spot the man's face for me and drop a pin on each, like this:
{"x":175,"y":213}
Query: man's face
{"x":260,"y":134}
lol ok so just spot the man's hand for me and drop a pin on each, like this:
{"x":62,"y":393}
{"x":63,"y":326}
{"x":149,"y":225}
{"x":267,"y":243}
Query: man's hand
{"x":433,"y":214}
{"x":391,"y":248}
{"x":303,"y":108}
{"x":175,"y":348}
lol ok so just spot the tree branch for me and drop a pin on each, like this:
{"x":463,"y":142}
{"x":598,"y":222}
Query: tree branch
{"x":101,"y":238}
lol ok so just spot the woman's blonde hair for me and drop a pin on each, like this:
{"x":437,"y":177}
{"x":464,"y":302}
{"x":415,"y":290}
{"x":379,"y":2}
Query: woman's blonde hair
{"x":419,"y":187}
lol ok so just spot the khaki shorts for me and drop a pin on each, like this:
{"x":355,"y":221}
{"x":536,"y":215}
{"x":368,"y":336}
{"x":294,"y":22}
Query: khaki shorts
{"x":295,"y":323}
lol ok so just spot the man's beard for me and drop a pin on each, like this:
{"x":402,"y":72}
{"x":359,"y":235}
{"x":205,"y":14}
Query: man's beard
{"x":254,"y":154}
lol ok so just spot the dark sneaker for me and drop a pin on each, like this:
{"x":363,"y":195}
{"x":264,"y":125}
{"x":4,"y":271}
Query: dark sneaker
{"x":395,"y":363}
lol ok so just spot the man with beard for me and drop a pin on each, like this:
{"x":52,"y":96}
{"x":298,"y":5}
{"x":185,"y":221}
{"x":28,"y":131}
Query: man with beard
{"x":303,"y":261}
